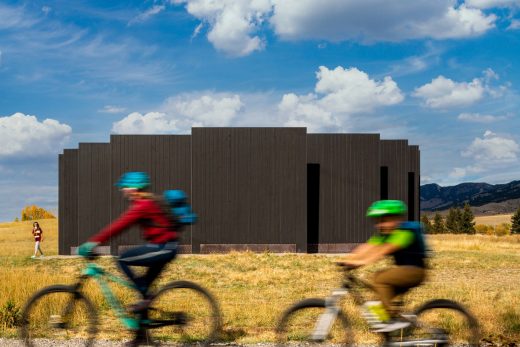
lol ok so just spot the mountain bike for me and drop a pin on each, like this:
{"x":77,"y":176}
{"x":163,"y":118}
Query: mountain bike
{"x":180,"y":310}
{"x":436,"y":323}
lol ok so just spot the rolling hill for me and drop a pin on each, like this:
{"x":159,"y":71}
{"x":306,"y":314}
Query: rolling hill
{"x":484,"y":198}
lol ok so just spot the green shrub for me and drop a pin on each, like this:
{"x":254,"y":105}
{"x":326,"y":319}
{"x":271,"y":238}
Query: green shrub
{"x":484,"y":229}
{"x":503,"y":229}
{"x":9,"y":314}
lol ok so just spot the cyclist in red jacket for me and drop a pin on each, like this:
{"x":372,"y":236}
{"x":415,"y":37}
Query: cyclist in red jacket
{"x":159,"y":231}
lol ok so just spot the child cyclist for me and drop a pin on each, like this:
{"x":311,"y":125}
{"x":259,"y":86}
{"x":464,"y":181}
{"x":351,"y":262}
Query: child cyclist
{"x":404,"y":241}
{"x":159,"y":231}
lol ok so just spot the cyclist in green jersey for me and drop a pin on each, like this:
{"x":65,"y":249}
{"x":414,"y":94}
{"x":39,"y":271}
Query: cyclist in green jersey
{"x":404,"y":241}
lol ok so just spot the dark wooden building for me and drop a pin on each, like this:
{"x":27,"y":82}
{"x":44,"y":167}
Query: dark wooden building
{"x":276,"y":189}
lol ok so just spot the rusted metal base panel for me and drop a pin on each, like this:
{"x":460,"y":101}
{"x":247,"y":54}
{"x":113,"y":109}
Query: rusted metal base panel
{"x":124,"y":248}
{"x":184,"y":249}
{"x":224,"y":248}
{"x":335,"y":247}
{"x":104,"y":250}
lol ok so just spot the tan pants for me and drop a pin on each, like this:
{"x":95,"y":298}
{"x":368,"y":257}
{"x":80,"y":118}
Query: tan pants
{"x":391,"y":282}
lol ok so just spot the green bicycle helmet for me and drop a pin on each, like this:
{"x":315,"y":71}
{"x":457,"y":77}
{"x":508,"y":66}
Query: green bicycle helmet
{"x":387,"y":208}
{"x":137,"y":180}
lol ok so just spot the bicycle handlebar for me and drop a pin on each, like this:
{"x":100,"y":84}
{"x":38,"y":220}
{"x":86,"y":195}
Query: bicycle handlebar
{"x":91,"y":256}
{"x":346,"y":267}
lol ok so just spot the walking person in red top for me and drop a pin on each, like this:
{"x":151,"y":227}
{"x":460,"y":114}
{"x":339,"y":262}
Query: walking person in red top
{"x":159,"y":231}
{"x":38,"y":238}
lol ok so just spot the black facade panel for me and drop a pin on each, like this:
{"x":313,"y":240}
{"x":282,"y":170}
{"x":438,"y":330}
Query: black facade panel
{"x":383,"y":182}
{"x":95,"y":184}
{"x":249,"y":185}
{"x":69,"y":220}
{"x":349,"y":183}
{"x":166,"y":158}
{"x":415,"y":167}
{"x":61,"y":206}
{"x":395,"y":155}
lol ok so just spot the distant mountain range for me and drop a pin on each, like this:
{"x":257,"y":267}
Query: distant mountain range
{"x":483,"y":197}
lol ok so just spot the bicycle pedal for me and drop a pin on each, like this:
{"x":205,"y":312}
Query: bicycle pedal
{"x":56,"y":321}
{"x":179,"y":318}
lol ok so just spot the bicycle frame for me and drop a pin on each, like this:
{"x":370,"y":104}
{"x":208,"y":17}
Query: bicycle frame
{"x":325,"y":321}
{"x":351,"y":285}
{"x":102,"y":277}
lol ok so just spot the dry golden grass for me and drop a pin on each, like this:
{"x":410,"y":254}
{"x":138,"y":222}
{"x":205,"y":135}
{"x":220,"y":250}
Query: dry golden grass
{"x":493,"y":220}
{"x":16,"y":239}
{"x":483,"y":272}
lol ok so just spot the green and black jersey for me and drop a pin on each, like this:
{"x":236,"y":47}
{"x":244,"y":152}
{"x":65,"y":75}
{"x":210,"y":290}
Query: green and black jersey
{"x":410,"y":240}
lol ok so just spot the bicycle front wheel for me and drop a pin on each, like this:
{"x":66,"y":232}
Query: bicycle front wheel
{"x":443,"y":323}
{"x":184,"y":312}
{"x":58,"y":314}
{"x":311,"y":322}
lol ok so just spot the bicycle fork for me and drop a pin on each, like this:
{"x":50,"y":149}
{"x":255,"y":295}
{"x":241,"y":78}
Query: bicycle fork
{"x":326,"y":319}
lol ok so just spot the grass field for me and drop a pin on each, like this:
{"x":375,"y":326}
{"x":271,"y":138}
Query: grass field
{"x":493,"y":220}
{"x":483,"y":272}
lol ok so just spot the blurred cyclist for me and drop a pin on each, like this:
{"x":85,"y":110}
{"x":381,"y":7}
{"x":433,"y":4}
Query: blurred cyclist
{"x":159,"y":231}
{"x":404,"y":241}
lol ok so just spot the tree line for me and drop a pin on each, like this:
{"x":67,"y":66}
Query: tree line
{"x":462,"y":221}
{"x":34,"y":212}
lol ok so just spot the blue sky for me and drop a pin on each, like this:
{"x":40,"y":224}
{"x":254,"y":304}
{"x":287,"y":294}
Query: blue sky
{"x":443,"y":74}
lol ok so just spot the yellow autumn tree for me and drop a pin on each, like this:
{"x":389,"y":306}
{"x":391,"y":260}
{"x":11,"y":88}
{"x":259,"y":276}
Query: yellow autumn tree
{"x":33,"y":212}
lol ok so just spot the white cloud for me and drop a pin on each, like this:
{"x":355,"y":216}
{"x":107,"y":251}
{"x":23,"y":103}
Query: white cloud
{"x":14,"y":17}
{"x":479,"y":118}
{"x":305,"y":111}
{"x":206,"y":110}
{"x":426,"y":179}
{"x":515,"y":24}
{"x":112,"y":109}
{"x":485,"y":4}
{"x":233,"y":24}
{"x":458,"y":172}
{"x":492,"y":149}
{"x":46,"y":10}
{"x":442,"y":92}
{"x":149,"y":123}
{"x":488,"y":154}
{"x":340,"y":93}
{"x":179,"y":114}
{"x":339,"y":20}
{"x":24,"y":136}
{"x":143,"y":17}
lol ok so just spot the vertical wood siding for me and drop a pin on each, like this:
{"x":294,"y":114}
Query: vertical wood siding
{"x":94,"y":188}
{"x":415,"y":166}
{"x":166,"y":158}
{"x":349,"y":183}
{"x":69,"y":219}
{"x":61,"y":206}
{"x":249,"y":186}
{"x":395,"y":155}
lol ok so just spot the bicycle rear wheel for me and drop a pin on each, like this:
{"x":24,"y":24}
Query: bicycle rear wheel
{"x":59,"y":314}
{"x":310,"y":322}
{"x":184,"y":312}
{"x":441,"y":323}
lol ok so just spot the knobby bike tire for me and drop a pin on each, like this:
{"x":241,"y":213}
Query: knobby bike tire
{"x":470,"y":320}
{"x":282,"y":332}
{"x":215,"y":319}
{"x":92,"y":318}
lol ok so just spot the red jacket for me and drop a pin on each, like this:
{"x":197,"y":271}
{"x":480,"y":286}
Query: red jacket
{"x":37,"y":234}
{"x":158,"y":226}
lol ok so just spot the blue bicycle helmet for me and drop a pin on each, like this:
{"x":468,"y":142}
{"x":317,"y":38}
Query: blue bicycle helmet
{"x":137,"y":180}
